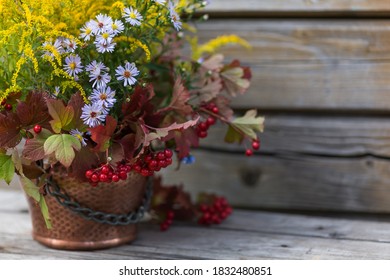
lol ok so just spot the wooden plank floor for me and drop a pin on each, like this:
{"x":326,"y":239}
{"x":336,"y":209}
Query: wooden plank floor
{"x":246,"y":235}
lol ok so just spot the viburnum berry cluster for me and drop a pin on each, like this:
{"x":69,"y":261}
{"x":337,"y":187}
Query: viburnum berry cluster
{"x":146,"y":166}
{"x":215,"y":212}
{"x":6,"y":106}
{"x":203,"y":126}
{"x":153,"y":162}
{"x":173,"y":203}
{"x":107,"y":173}
{"x":168,"y":221}
{"x":255,"y":147}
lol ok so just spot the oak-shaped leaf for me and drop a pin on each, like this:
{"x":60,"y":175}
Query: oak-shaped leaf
{"x":236,"y":78}
{"x":33,"y":149}
{"x":62,"y":116}
{"x":102,"y":134}
{"x":63,"y":146}
{"x":245,"y":126}
{"x":160,"y":133}
{"x":33,"y":110}
{"x":7,"y":168}
{"x":211,"y":89}
{"x":10,"y":127}
{"x":180,"y":97}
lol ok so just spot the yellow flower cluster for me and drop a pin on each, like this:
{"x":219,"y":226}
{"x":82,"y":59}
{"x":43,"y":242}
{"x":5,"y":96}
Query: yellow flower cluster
{"x":25,"y":25}
{"x":213,"y":45}
{"x":134,"y":44}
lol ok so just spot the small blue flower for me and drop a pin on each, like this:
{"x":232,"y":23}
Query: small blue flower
{"x":190,"y":159}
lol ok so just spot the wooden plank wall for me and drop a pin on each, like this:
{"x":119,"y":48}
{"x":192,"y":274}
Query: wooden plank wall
{"x":321,"y":76}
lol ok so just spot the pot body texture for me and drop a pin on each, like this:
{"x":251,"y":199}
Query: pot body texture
{"x":71,"y":231}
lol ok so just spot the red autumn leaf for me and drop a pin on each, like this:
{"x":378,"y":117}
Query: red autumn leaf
{"x":84,"y":160}
{"x":139,"y":102}
{"x":34,"y":148}
{"x":184,"y":141}
{"x":102,"y":134}
{"x":9,"y":130}
{"x":76,"y":102}
{"x":128,"y":146}
{"x":224,"y":108}
{"x":160,"y":133}
{"x":180,"y":96}
{"x":33,"y":110}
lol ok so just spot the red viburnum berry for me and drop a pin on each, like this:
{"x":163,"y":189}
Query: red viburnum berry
{"x":115,"y":178}
{"x":37,"y":129}
{"x":95,"y":178}
{"x":168,"y":153}
{"x":211,"y":121}
{"x":256,"y":145}
{"x":88,"y":174}
{"x":103,"y":177}
{"x":105,"y":169}
{"x":248,"y":152}
{"x":215,"y":110}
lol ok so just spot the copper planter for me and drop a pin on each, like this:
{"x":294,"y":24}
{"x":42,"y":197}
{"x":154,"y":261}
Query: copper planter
{"x":71,"y":231}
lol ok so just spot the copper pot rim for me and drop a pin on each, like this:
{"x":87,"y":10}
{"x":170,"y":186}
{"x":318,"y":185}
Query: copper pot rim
{"x":83,"y":245}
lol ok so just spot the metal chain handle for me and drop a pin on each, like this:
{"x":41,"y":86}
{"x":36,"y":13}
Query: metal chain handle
{"x":101,"y":217}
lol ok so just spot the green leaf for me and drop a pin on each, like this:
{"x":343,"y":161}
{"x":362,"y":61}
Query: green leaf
{"x":17,"y":161}
{"x":62,"y":116}
{"x":247,"y":125}
{"x":45,"y":212}
{"x":63,"y":146}
{"x":30,"y":188}
{"x":233,"y":136}
{"x":7,"y":168}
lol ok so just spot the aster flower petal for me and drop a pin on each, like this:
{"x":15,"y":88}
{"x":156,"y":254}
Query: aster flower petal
{"x":73,"y":65}
{"x":92,"y":114}
{"x":79,"y":135}
{"x":127,"y":74}
{"x":105,"y":97}
{"x":132,"y":16}
{"x":174,"y":16}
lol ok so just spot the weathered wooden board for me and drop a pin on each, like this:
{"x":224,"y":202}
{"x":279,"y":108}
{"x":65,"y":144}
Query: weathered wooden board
{"x":312,"y":162}
{"x":317,"y":135}
{"x":272,"y":236}
{"x":291,"y":181}
{"x":311,"y":64}
{"x":299,"y":8}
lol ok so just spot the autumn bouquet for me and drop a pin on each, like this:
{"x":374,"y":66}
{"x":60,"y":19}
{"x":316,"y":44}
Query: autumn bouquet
{"x":105,"y":88}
